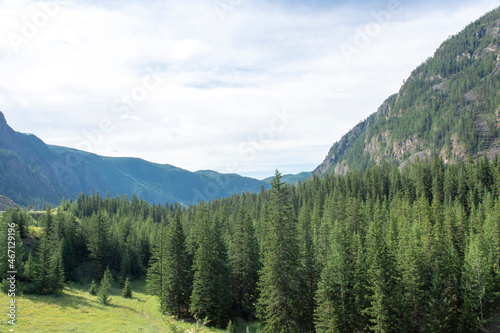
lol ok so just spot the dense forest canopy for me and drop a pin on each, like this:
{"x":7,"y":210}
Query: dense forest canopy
{"x":415,"y":249}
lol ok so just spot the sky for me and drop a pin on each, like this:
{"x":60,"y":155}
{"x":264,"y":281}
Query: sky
{"x":235,"y":86}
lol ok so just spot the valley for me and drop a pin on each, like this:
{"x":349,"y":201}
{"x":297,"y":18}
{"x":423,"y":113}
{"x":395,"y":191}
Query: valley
{"x":397,"y":230}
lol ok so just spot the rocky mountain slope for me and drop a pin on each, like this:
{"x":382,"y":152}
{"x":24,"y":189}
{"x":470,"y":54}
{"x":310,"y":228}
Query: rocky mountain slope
{"x":6,"y":203}
{"x":450,"y":106}
{"x":33,"y":173}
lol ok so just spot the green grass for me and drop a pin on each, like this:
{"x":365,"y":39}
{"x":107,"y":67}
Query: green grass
{"x":75,"y":310}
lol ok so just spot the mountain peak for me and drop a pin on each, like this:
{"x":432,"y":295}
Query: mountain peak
{"x":5,"y":130}
{"x":448,"y":107}
{"x":2,"y":119}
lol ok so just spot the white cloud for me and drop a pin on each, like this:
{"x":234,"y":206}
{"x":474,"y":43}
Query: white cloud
{"x":187,"y":48}
{"x":184,"y":84}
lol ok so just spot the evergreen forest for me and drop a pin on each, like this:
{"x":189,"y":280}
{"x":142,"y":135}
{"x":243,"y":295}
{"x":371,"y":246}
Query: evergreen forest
{"x":415,"y":249}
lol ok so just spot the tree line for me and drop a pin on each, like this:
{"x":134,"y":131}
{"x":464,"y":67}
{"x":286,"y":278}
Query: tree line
{"x":415,"y":249}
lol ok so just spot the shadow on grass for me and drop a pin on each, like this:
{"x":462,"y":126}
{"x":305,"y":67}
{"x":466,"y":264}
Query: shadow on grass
{"x":137,"y":299}
{"x":61,"y":300}
{"x":117,"y":306}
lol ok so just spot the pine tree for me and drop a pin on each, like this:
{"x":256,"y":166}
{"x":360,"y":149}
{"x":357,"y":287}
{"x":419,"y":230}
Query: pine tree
{"x":308,"y":268}
{"x":127,"y":289}
{"x":98,"y":240}
{"x":49,"y":276}
{"x":30,"y":269}
{"x":411,"y":282}
{"x":56,"y":272}
{"x":244,"y":262}
{"x":43,"y":267}
{"x":381,"y":277}
{"x":93,"y":288}
{"x":211,"y":297}
{"x":335,"y":311}
{"x":105,"y":290}
{"x":125,"y":265}
{"x":71,"y":244}
{"x":279,"y":282}
{"x":155,"y":279}
{"x":177,"y":277}
{"x":476,"y":283}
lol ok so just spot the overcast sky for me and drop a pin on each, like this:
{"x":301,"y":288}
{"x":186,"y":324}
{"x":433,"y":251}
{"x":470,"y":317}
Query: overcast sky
{"x":245,"y":86}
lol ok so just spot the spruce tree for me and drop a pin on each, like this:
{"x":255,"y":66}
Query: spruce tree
{"x":30,"y":269}
{"x":44,"y":267}
{"x":476,"y":284}
{"x":105,"y":290}
{"x":127,"y":289}
{"x":56,"y":272}
{"x":177,"y":277}
{"x":244,"y":262}
{"x":309,"y":271}
{"x":49,"y":276}
{"x":411,"y":282}
{"x":98,"y":240}
{"x":381,"y":277}
{"x":211,"y":297}
{"x":93,"y":288}
{"x":336,"y":311}
{"x":279,"y":281}
{"x":155,"y":279}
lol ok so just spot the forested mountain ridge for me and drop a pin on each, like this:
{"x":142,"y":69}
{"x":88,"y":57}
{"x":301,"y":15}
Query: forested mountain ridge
{"x":33,"y":173}
{"x":449,"y":105}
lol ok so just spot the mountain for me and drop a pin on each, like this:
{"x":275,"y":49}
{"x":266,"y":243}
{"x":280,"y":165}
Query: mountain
{"x":32,"y":172}
{"x":291,"y":179}
{"x":449,"y":106}
{"x":6,"y":203}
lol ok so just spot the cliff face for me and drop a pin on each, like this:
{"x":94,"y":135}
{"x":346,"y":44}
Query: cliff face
{"x":449,"y":105}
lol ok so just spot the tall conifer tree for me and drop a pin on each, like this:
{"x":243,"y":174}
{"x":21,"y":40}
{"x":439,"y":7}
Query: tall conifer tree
{"x":177,"y":276}
{"x":99,"y":242}
{"x":211,"y":295}
{"x":244,"y":262}
{"x":155,"y":279}
{"x":279,"y":282}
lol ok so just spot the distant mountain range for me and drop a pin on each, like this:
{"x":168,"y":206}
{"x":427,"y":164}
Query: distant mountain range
{"x":33,"y":173}
{"x":449,"y":106}
{"x":291,"y":179}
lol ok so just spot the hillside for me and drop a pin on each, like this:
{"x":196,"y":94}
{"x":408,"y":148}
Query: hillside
{"x":450,"y":105}
{"x":32,"y":172}
{"x":75,"y":310}
{"x":6,"y":203}
{"x":290,"y":178}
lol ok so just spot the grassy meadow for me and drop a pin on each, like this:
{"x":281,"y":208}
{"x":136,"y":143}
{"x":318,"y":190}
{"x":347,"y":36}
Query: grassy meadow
{"x":75,"y":310}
